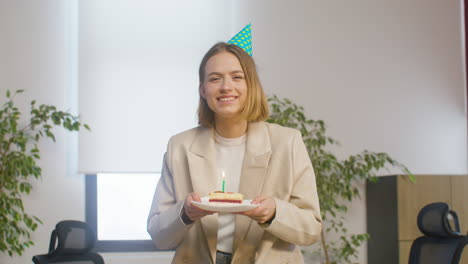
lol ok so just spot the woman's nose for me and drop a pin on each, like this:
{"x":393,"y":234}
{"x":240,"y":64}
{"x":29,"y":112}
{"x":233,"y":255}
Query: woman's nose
{"x":226,"y":85}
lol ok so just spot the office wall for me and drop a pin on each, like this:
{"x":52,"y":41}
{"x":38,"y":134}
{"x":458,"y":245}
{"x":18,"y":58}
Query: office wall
{"x":384,"y":75}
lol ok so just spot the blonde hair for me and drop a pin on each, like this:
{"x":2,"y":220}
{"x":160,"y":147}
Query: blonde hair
{"x":256,"y":105}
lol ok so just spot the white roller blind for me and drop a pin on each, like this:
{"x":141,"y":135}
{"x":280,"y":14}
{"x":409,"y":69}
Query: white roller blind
{"x":138,"y":77}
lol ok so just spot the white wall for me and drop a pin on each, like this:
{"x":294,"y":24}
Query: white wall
{"x":384,"y":75}
{"x":38,"y":54}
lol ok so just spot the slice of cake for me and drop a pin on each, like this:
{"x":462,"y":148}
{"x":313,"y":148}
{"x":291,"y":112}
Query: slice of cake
{"x":225,"y":197}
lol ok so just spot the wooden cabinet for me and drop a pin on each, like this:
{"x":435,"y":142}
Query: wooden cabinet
{"x":393,"y":204}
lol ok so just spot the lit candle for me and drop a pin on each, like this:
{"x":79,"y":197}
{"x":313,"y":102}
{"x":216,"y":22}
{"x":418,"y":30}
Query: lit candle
{"x":224,"y":181}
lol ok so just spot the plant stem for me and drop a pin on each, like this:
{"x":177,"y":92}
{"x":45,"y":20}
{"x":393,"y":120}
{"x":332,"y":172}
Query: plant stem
{"x":324,"y":247}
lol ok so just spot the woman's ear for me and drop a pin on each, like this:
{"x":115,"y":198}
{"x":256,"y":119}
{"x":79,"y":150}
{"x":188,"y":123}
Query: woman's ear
{"x":201,"y":90}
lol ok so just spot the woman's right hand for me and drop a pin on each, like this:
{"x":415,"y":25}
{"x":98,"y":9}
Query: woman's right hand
{"x":193,"y":212}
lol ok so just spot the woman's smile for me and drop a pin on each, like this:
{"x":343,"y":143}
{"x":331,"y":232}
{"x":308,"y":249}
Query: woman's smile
{"x":224,"y":87}
{"x":227,"y":99}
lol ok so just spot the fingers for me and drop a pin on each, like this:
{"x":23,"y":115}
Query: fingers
{"x":264,"y":212}
{"x":195,"y":197}
{"x":193,"y":212}
{"x":259,"y":199}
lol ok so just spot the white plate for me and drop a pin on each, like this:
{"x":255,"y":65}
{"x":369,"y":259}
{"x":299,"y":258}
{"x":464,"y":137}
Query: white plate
{"x":224,"y":207}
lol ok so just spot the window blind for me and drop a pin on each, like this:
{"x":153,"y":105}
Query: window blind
{"x":138,"y":77}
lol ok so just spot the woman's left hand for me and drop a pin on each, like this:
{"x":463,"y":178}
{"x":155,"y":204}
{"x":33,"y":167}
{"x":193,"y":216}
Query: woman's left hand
{"x":264,"y":212}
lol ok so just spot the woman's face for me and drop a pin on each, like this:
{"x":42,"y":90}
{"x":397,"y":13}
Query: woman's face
{"x":224,"y":86}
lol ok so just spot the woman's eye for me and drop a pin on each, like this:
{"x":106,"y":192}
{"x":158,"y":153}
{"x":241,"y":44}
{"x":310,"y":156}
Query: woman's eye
{"x":238,"y":77}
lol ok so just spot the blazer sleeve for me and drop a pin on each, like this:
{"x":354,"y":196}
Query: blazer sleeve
{"x":165,"y":225}
{"x":298,"y":220}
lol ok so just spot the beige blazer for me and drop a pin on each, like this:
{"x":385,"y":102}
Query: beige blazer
{"x":276,"y":163}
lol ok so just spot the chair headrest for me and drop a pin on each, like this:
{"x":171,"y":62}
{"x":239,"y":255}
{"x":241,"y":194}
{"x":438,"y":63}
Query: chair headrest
{"x":433,"y":221}
{"x":74,"y":237}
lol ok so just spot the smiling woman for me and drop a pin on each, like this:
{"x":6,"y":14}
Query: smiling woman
{"x":224,"y":88}
{"x":227,"y":70}
{"x":266,"y":163}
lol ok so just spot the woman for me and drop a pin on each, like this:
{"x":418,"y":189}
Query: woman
{"x":265,"y":162}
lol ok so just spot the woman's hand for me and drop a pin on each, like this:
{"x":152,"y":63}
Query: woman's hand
{"x":264,"y":212}
{"x":193,"y":212}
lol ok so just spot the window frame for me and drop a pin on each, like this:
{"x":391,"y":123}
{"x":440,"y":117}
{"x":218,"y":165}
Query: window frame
{"x":91,"y":215}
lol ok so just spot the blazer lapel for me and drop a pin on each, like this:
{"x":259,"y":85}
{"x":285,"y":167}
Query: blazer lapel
{"x":202,"y":166}
{"x":202,"y":162}
{"x":256,"y":159}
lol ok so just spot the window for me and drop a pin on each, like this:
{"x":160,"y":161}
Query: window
{"x":138,"y":80}
{"x":117,"y":207}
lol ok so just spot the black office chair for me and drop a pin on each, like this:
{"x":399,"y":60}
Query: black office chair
{"x":75,"y":242}
{"x":442,"y":242}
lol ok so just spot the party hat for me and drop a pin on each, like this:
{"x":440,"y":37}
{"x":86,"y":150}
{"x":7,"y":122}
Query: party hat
{"x":243,"y":39}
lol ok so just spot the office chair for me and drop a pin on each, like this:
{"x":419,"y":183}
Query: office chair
{"x":75,"y":241}
{"x":442,"y":242}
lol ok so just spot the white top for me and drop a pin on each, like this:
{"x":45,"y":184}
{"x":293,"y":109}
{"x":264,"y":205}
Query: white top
{"x":229,"y":157}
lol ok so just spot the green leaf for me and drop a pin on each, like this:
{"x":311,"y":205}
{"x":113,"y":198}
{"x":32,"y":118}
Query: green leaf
{"x":335,"y":178}
{"x":19,"y":150}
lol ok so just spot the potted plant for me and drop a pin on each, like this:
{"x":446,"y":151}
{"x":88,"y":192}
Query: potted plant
{"x":19,"y":153}
{"x":336,"y":179}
